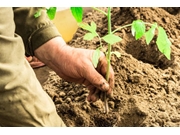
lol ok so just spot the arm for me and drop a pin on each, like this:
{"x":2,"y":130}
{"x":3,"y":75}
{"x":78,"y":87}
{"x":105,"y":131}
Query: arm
{"x":71,"y":64}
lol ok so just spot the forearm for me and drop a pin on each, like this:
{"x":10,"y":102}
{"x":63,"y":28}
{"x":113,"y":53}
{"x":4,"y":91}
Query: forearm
{"x":52,"y":52}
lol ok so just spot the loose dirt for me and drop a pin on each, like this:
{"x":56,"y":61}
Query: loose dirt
{"x":147,"y":85}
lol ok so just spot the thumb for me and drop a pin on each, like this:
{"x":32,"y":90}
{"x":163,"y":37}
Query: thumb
{"x":96,"y":79}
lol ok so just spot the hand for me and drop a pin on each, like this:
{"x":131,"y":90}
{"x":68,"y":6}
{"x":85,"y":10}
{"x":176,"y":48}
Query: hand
{"x":75,"y":65}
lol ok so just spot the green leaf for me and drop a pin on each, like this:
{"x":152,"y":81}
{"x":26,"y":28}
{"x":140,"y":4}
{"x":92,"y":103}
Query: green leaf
{"x":150,"y":33}
{"x":91,"y":28}
{"x":89,"y":36}
{"x":77,"y":12}
{"x":85,"y":26}
{"x":37,"y":14}
{"x":138,"y":29}
{"x":51,"y":12}
{"x":163,"y":43}
{"x":95,"y":57}
{"x":111,"y":39}
{"x":118,"y":54}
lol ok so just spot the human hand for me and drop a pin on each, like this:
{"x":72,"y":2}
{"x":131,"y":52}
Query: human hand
{"x":75,"y":65}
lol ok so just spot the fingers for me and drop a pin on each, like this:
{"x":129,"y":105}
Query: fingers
{"x":29,"y":59}
{"x":96,"y":77}
{"x":94,"y":95}
{"x":102,"y":69}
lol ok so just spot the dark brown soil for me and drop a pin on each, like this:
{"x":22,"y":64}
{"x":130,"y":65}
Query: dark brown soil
{"x":147,"y":85}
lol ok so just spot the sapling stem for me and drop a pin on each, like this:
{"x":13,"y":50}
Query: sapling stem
{"x":129,"y":25}
{"x":119,"y":28}
{"x":108,"y":57}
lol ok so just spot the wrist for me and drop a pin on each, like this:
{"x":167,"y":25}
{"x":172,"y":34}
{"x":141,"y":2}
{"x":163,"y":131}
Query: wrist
{"x":49,"y":50}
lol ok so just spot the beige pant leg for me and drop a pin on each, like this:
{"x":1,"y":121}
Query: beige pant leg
{"x":23,"y":102}
{"x":28,"y":105}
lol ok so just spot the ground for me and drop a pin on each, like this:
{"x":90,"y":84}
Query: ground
{"x":147,"y":84}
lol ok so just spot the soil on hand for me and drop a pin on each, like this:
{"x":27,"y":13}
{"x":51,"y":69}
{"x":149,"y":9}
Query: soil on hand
{"x":147,"y":84}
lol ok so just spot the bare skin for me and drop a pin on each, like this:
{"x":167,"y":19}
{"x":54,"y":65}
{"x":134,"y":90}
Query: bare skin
{"x":34,"y":62}
{"x":75,"y":65}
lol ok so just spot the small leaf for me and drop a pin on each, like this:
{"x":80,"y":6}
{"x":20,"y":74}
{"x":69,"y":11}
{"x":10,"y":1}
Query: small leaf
{"x":77,"y":12}
{"x":163,"y":43}
{"x":37,"y":14}
{"x":91,"y":28}
{"x":111,"y":39}
{"x":150,"y":33}
{"x":89,"y":36}
{"x":138,"y":28}
{"x":118,"y":54}
{"x":85,"y":26}
{"x":51,"y":12}
{"x":95,"y":57}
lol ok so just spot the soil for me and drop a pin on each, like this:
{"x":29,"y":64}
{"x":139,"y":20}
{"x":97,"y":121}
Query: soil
{"x":147,"y":84}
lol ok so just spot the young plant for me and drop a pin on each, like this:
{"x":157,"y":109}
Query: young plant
{"x":138,"y":28}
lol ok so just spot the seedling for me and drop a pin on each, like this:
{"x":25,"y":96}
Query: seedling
{"x":138,"y":28}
